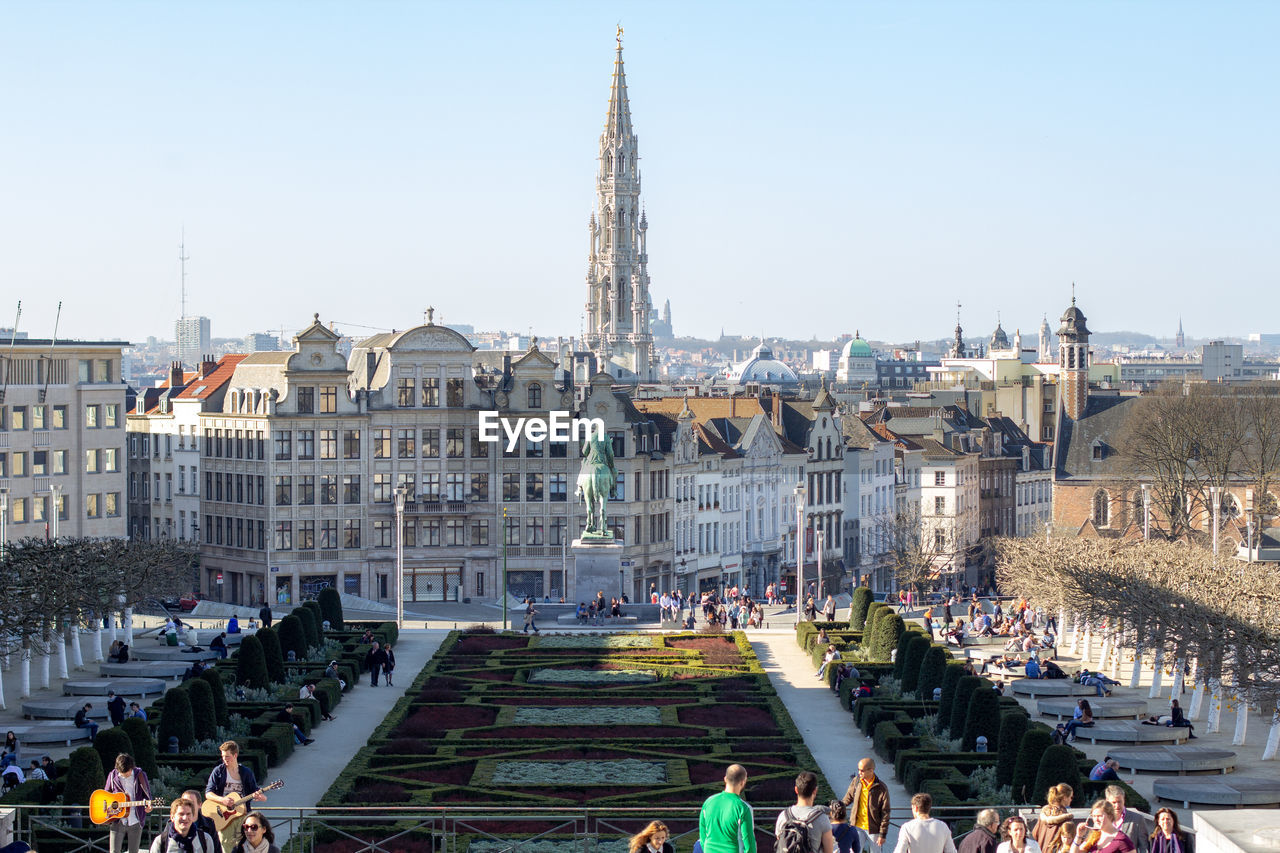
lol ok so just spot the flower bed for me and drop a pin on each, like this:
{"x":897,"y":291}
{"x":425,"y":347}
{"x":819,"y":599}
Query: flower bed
{"x":592,"y":676}
{"x":627,"y":771}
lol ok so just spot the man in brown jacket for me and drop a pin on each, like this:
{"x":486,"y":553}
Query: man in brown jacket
{"x":868,"y":801}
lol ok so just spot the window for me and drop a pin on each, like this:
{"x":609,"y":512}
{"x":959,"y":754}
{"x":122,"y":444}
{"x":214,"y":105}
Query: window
{"x":453,"y":393}
{"x":37,"y":421}
{"x":111,"y":460}
{"x":559,"y":527}
{"x":328,"y":534}
{"x":39,"y":463}
{"x":455,"y":531}
{"x":430,"y":392}
{"x":939,"y":478}
{"x":59,"y":462}
{"x":328,"y":489}
{"x":533,"y":487}
{"x":431,"y":532}
{"x":381,"y":488}
{"x":533,"y":534}
{"x":91,"y":509}
{"x":91,"y":413}
{"x":59,"y":420}
{"x":284,"y":491}
{"x":409,"y":534}
{"x":939,"y":540}
{"x":939,"y":506}
{"x":431,"y":487}
{"x":511,"y":533}
{"x":382,"y":533}
{"x":283,"y":539}
{"x":382,"y":444}
{"x":91,"y":461}
{"x":351,"y":533}
{"x":480,"y":531}
{"x":408,"y":482}
{"x":480,"y":487}
{"x":306,"y":535}
{"x":559,"y":487}
{"x":306,"y":400}
{"x":328,"y":444}
{"x":284,"y":443}
{"x":431,"y":443}
{"x":511,"y":487}
{"x":455,"y":487}
{"x":619,"y":492}
{"x":405,"y":448}
{"x":4,"y":465}
{"x":40,"y":509}
{"x":328,"y":399}
{"x":306,"y":491}
{"x":455,"y":446}
{"x":533,"y":449}
{"x":351,"y":444}
{"x":535,"y":395}
{"x":351,"y":488}
{"x":404,"y":393}
{"x":479,"y":449}
{"x":111,"y":419}
{"x":306,"y":444}
{"x":1101,"y":508}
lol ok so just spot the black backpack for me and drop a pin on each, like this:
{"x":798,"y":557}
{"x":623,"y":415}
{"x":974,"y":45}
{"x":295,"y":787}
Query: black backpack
{"x":794,"y":835}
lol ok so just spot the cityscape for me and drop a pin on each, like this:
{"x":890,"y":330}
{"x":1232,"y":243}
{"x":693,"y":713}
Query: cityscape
{"x":882,"y":394}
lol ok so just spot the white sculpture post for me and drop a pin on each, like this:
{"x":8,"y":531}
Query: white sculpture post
{"x":1157,"y":673}
{"x":1273,"y":736}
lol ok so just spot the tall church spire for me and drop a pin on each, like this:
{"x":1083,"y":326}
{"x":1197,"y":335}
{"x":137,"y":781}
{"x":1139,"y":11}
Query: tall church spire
{"x":618,"y":305}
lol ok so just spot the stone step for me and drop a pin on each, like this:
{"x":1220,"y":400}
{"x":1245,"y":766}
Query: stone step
{"x":1035,"y":687}
{"x":1064,"y":708}
{"x":1126,"y":731}
{"x":62,"y":709}
{"x":163,"y":669}
{"x":1174,"y":759}
{"x":49,"y":733}
{"x":122,"y":686}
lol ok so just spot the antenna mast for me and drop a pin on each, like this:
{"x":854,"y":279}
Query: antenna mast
{"x":8,"y":364}
{"x":48,"y":369}
{"x":183,"y":258}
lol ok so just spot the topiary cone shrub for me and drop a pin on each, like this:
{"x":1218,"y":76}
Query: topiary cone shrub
{"x":204,"y":719}
{"x":111,"y":742}
{"x":933,"y":666}
{"x":314,"y":607}
{"x":889,"y":628}
{"x":858,"y":608}
{"x":84,"y":776}
{"x":900,"y":653}
{"x":983,"y":719}
{"x":960,"y":703}
{"x":1034,"y":743}
{"x":144,"y":746}
{"x":310,"y":626}
{"x":873,"y":616}
{"x":274,"y":655}
{"x":917,"y":645}
{"x":1013,"y":725}
{"x":293,"y":637}
{"x":1057,"y":765}
{"x":330,"y":602}
{"x":176,"y":719}
{"x":214,"y":679}
{"x":251,"y":664}
{"x":950,"y":678}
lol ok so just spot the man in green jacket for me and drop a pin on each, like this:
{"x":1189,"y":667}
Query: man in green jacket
{"x":726,"y":824}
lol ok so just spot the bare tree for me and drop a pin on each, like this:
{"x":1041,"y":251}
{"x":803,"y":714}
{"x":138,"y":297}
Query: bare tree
{"x":912,"y":546}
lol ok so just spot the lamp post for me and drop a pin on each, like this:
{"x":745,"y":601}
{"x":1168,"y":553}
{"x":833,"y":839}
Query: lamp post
{"x":799,"y":548}
{"x":1217,"y":505}
{"x":4,"y":521}
{"x":1248,"y":521}
{"x":55,"y":499}
{"x":401,"y":496}
{"x":1146,"y":511}
{"x":504,"y":568}
{"x":818,"y":535}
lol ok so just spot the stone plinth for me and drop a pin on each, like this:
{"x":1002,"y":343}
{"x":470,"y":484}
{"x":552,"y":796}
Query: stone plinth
{"x":122,"y":686}
{"x":1128,"y":731}
{"x":1235,"y":791}
{"x":1174,"y":759}
{"x":1035,"y":687}
{"x":61,"y":709}
{"x":1063,"y":709}
{"x":596,"y":566}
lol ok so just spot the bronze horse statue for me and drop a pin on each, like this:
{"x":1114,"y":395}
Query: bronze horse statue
{"x":596,"y":480}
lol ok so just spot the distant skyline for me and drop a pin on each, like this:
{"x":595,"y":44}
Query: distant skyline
{"x":809,"y":170}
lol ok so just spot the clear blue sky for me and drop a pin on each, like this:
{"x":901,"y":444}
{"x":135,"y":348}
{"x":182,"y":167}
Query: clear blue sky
{"x":810,"y":169}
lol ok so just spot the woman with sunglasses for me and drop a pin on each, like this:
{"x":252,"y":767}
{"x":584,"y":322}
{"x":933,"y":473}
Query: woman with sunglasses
{"x":256,"y":835}
{"x":1100,"y":833}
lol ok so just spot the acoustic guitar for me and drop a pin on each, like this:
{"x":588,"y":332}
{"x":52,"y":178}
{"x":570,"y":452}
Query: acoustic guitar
{"x":106,"y":806}
{"x":222,"y":815}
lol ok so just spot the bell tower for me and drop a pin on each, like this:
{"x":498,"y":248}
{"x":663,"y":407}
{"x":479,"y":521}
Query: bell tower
{"x":1073,"y":361}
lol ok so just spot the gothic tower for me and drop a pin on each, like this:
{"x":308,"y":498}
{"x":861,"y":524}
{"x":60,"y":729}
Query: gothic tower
{"x":618,"y":306}
{"x":1046,"y":342}
{"x":1181,"y":340}
{"x":1073,"y":362}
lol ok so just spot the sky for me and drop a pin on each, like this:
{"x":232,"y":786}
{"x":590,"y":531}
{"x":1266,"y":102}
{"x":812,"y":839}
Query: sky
{"x":810,"y":169}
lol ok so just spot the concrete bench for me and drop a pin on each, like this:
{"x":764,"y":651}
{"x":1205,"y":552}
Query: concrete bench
{"x":171,"y":653}
{"x":46,"y":733}
{"x":122,"y":686}
{"x":1126,"y":731}
{"x":1237,"y":791}
{"x":1174,"y":759}
{"x":61,"y":709}
{"x":572,"y":619}
{"x":144,"y":669}
{"x":1035,"y":687}
{"x":1063,"y":709}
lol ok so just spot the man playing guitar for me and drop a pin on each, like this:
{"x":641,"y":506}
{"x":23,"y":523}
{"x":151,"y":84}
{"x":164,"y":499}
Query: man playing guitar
{"x":229,"y":783}
{"x":128,"y":779}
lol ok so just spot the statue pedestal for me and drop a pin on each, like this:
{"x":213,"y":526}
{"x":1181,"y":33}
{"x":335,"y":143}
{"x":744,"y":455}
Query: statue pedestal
{"x":596,"y":566}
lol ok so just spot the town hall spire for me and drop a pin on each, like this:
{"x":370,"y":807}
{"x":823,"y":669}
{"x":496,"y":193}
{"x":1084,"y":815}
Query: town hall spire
{"x":618,"y":305}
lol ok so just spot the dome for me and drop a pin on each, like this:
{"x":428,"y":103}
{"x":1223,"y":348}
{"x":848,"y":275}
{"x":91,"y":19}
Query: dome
{"x":999,"y":340}
{"x":1073,"y":322}
{"x":761,"y":367}
{"x":856,"y":348}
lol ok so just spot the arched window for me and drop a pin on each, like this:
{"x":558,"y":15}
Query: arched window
{"x":535,"y":395}
{"x":1101,"y":508}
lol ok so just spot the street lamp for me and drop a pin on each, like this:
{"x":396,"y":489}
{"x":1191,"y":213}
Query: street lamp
{"x":401,"y":497}
{"x":1248,"y":521}
{"x":1146,"y":511}
{"x":4,"y":520}
{"x":799,"y":547}
{"x":1217,"y":505}
{"x":504,"y":568}
{"x":55,"y":499}
{"x":819,"y":536}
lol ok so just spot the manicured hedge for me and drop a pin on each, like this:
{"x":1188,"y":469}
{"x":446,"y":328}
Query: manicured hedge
{"x":858,"y":606}
{"x":950,"y":678}
{"x":272,"y":654}
{"x":1012,"y":727}
{"x":310,"y":626}
{"x":330,"y":602}
{"x":143,"y":743}
{"x":111,"y":742}
{"x":204,"y":719}
{"x":293,"y":637}
{"x":932,"y":669}
{"x":983,"y":719}
{"x":213,"y":678}
{"x":84,"y":776}
{"x":1034,"y":742}
{"x":251,"y":664}
{"x":176,"y":719}
{"x":917,"y":646}
{"x":889,"y":628}
{"x":965,"y":688}
{"x":900,"y":654}
{"x":1057,"y":766}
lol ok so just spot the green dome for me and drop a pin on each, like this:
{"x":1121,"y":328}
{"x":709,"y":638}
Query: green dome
{"x":856,"y":348}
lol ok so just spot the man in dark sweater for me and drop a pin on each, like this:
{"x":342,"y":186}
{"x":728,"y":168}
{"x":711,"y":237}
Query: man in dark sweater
{"x":985,"y":837}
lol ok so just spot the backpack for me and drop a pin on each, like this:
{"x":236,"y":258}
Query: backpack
{"x":793,"y":837}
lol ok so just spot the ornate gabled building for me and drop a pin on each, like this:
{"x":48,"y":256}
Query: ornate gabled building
{"x":618,"y":306}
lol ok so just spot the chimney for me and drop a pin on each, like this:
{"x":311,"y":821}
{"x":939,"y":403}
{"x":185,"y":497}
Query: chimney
{"x":777,"y":410}
{"x":208,"y":364}
{"x":175,"y":374}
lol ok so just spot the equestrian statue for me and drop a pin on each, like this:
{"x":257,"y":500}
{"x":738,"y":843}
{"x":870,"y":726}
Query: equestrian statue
{"x":596,"y":481}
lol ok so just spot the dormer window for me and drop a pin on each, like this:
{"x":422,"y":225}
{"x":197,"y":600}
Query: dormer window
{"x":1099,"y":450}
{"x":535,"y":395}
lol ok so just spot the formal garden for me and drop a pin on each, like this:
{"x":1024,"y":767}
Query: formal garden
{"x":538,"y":724}
{"x":937,"y":746}
{"x":235,"y":699}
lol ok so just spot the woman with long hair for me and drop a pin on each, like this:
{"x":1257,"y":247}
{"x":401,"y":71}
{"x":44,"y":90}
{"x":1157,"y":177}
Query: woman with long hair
{"x":1061,"y":840}
{"x":844,"y":833}
{"x":1168,"y":837}
{"x":9,"y":755}
{"x":1084,"y":721}
{"x":1099,"y":834}
{"x":1052,"y":815}
{"x":1014,"y":835}
{"x":256,"y":835}
{"x":654,"y":838}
